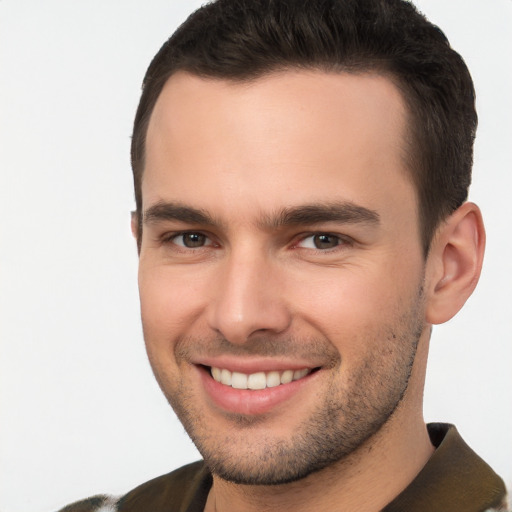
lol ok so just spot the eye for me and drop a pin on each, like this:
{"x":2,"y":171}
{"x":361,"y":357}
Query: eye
{"x":320,"y":241}
{"x":191,"y":240}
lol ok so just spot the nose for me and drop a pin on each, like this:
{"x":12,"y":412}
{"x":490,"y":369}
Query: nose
{"x":248,"y":299}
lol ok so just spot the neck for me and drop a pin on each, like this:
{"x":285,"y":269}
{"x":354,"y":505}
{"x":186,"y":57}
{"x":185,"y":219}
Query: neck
{"x":385,"y":464}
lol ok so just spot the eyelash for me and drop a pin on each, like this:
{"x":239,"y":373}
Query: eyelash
{"x":171,"y":237}
{"x":341,"y":241}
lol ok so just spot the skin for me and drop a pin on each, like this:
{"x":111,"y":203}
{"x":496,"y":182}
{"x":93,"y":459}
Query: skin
{"x":250,"y":284}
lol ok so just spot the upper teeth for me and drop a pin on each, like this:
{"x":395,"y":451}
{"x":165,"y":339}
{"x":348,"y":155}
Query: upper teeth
{"x":259,"y":380}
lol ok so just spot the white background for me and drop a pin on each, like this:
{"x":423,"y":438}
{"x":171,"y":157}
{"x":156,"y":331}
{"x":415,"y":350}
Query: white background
{"x":80,"y":412}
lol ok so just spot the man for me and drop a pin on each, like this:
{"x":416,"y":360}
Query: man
{"x":301,"y":173}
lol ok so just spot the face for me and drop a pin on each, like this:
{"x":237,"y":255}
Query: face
{"x":281,"y":267}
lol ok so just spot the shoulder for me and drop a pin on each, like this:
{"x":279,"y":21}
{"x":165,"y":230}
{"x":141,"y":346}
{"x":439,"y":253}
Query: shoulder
{"x":188,"y":484}
{"x":99,"y":503}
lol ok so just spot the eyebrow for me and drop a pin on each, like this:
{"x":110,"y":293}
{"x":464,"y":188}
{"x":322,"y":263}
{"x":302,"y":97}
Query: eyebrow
{"x":309,"y":214}
{"x":345,"y":212}
{"x":165,"y":211}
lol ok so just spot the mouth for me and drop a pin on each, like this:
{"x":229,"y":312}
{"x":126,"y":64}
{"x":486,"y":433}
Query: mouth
{"x":258,"y":380}
{"x":255,"y":392}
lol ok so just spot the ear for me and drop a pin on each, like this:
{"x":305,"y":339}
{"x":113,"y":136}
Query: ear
{"x":135,"y":224}
{"x":454,"y":263}
{"x":136,"y":229}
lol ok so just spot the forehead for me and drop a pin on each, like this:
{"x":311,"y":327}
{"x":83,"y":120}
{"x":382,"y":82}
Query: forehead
{"x":289,"y":137}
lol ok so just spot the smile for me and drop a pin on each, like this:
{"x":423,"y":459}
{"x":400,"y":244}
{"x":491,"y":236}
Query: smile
{"x":258,"y":380}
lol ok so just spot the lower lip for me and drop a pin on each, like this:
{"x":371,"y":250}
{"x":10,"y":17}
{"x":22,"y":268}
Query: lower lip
{"x":251,"y":402}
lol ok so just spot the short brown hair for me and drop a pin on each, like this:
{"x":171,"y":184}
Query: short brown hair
{"x":241,"y":40}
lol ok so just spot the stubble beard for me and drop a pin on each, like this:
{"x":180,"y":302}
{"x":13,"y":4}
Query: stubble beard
{"x":353,"y":411}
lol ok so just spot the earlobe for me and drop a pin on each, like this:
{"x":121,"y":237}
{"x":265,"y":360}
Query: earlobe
{"x":454,"y":263}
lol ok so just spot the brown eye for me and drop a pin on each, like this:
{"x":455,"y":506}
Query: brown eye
{"x":321,"y":241}
{"x":191,"y":240}
{"x":325,"y":241}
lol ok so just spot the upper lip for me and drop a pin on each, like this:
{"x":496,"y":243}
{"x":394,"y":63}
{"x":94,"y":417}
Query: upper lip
{"x":254,"y":365}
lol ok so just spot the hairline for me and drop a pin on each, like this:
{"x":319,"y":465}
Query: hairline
{"x":378,"y":67}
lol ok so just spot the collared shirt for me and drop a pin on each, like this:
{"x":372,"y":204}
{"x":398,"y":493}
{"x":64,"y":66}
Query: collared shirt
{"x":454,"y":479}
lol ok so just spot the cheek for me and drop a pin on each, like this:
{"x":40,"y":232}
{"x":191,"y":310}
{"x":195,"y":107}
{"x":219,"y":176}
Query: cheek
{"x":170,"y":304}
{"x":344,"y":294}
{"x":167,"y":306}
{"x":358,"y":303}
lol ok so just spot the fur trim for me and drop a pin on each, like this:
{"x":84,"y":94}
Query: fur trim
{"x":99,"y":503}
